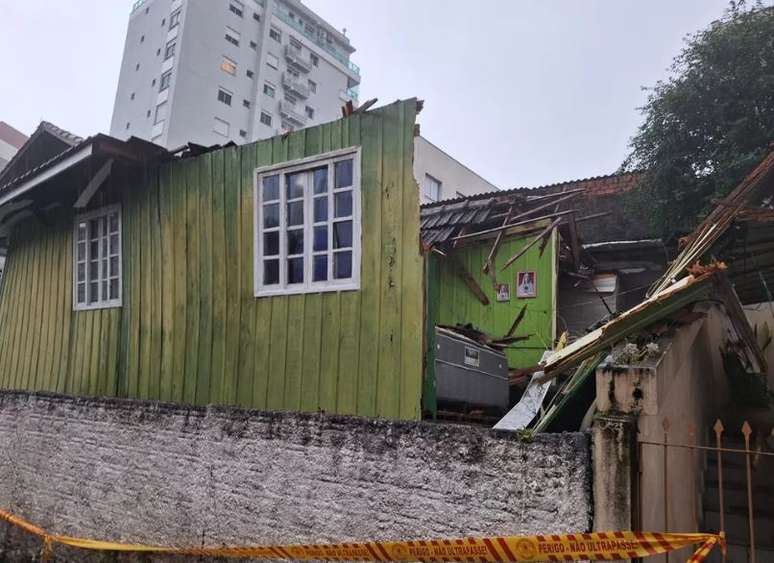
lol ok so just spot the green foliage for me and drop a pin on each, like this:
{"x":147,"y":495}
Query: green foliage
{"x":708,"y":124}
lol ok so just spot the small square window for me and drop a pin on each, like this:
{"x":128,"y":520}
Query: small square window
{"x":148,"y":113}
{"x":163,"y":22}
{"x":161,"y":112}
{"x":142,"y":39}
{"x":174,"y":19}
{"x":169,"y":50}
{"x":246,"y":103}
{"x":250,"y":74}
{"x":312,"y":86}
{"x":315,"y":59}
{"x":228,"y":66}
{"x":153,"y":82}
{"x":236,"y":8}
{"x":224,"y":96}
{"x":158,"y":52}
{"x":275,"y":34}
{"x":132,"y":96}
{"x":310,"y":112}
{"x":128,"y":125}
{"x":221,"y":127}
{"x":166,"y":80}
{"x":253,"y":45}
{"x":272,"y":61}
{"x":265,"y":118}
{"x":137,"y":67}
{"x":242,"y":133}
{"x":256,"y":16}
{"x":269,"y":90}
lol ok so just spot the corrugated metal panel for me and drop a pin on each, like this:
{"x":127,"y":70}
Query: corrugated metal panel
{"x":190,"y":329}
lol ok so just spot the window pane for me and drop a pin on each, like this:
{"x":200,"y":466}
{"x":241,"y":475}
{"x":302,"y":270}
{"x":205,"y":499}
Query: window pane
{"x":94,"y":249}
{"x":271,"y":244}
{"x":320,"y":209}
{"x":295,"y":185}
{"x":114,"y":222}
{"x":270,"y":272}
{"x":271,"y":216}
{"x":113,"y":244}
{"x":344,"y":173}
{"x":81,"y":251}
{"x":93,"y":271}
{"x":94,"y":225}
{"x":114,"y":266}
{"x":321,"y":180}
{"x":81,"y":297}
{"x":296,"y":213}
{"x":343,"y":204}
{"x":342,"y":265}
{"x":104,"y":290}
{"x":320,"y":272}
{"x":104,"y":268}
{"x":82,"y":231}
{"x":93,"y":292}
{"x":271,"y":188}
{"x":342,"y":234}
{"x":295,"y":242}
{"x":295,"y":270}
{"x":81,"y":272}
{"x":320,"y":238}
{"x":114,"y":288}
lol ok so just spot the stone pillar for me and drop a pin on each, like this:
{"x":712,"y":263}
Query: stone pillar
{"x":614,"y":462}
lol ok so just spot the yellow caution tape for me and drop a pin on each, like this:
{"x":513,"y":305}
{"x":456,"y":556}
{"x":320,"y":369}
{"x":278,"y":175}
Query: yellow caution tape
{"x":566,"y":547}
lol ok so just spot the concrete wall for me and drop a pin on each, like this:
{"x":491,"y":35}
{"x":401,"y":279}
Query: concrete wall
{"x":687,"y":386}
{"x":456,"y":178}
{"x":761,"y":318}
{"x":148,"y":472}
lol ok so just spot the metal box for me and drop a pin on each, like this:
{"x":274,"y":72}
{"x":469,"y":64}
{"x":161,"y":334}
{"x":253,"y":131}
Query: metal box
{"x":467,"y":372}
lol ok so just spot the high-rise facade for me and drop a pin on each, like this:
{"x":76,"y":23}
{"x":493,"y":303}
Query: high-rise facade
{"x":214,"y":71}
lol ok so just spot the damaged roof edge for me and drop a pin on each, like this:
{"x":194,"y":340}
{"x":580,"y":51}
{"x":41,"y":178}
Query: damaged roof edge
{"x":678,"y":295}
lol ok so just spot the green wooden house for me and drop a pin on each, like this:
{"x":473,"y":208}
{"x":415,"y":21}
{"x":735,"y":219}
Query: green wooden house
{"x":291,"y":273}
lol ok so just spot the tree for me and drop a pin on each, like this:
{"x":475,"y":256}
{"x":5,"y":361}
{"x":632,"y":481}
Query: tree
{"x":710,"y":122}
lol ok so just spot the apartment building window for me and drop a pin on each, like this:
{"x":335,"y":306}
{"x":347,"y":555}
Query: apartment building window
{"x":269,"y":90}
{"x":132,"y":96}
{"x":256,"y":16}
{"x":142,"y":39}
{"x":158,"y":52}
{"x":224,"y":96}
{"x":228,"y":66}
{"x":220,"y":127}
{"x":161,"y":112}
{"x":137,"y":67}
{"x":169,"y":50}
{"x":163,"y":22}
{"x":312,"y":86}
{"x":174,"y":18}
{"x":272,"y":61}
{"x":128,"y":125}
{"x":236,"y":8}
{"x":431,"y":188}
{"x":265,"y":118}
{"x":253,"y":45}
{"x":242,"y":133}
{"x":246,"y":103}
{"x":295,"y":43}
{"x":275,"y":34}
{"x":250,"y":74}
{"x":308,"y":218}
{"x":310,"y":112}
{"x":166,"y":80}
{"x":97,"y":259}
{"x":315,"y":59}
{"x":293,"y":73}
{"x":233,"y":36}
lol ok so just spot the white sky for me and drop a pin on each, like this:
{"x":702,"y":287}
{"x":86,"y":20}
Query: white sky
{"x":525,"y":92}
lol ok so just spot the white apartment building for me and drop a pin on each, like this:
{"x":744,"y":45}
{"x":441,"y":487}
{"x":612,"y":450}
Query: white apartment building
{"x":214,"y":71}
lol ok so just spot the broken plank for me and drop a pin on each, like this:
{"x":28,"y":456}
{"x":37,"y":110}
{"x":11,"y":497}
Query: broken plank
{"x":470,"y":281}
{"x":511,"y":225}
{"x":532,"y":243}
{"x":517,"y":321}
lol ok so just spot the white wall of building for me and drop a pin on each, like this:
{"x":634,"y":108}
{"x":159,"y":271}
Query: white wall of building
{"x":193,"y":111}
{"x":440,"y":176}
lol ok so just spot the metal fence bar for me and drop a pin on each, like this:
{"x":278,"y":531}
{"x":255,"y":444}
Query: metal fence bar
{"x":746,"y":430}
{"x":665,"y":425}
{"x":718,"y":428}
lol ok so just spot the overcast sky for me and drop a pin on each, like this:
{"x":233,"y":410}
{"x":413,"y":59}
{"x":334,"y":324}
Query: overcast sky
{"x":524,"y":92}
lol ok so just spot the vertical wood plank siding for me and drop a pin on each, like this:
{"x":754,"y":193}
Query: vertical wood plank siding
{"x":452,"y":302}
{"x":190,"y":329}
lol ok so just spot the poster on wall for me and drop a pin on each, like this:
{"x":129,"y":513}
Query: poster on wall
{"x":526,"y":285}
{"x":503,"y":292}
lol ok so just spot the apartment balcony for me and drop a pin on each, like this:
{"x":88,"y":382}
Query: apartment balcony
{"x":297,"y":59}
{"x":289,"y":112}
{"x":295,"y":87}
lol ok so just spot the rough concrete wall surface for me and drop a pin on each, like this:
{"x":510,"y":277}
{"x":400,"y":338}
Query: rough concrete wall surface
{"x":133,"y":471}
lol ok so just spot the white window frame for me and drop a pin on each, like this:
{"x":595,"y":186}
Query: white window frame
{"x":272,"y":61}
{"x":105,"y":303}
{"x":426,"y":187}
{"x":291,"y":167}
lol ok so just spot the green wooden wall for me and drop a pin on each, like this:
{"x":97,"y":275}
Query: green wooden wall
{"x":451,"y":302}
{"x":190,"y":329}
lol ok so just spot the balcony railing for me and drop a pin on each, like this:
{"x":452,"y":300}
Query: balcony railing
{"x":288,"y":111}
{"x":314,"y":38}
{"x":296,"y":87}
{"x":295,"y":58}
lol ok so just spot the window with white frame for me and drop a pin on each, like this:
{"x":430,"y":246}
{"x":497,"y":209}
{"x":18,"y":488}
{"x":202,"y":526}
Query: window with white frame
{"x":308,"y":225}
{"x":431,"y":188}
{"x":97,"y":259}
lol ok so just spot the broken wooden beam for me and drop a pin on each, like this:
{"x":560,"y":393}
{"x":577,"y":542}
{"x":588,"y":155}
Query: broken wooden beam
{"x":517,"y":321}
{"x":532,"y":243}
{"x":470,"y":281}
{"x":511,"y":225}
